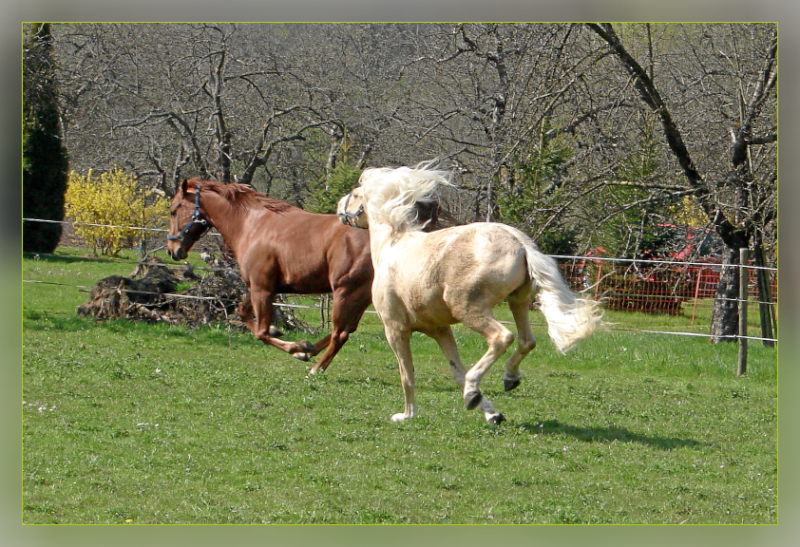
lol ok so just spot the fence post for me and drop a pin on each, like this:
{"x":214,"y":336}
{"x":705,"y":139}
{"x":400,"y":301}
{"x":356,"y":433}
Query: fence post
{"x":599,"y":277}
{"x":744,"y":255}
{"x":325,"y":302}
{"x":764,"y":297}
{"x":696,"y":294}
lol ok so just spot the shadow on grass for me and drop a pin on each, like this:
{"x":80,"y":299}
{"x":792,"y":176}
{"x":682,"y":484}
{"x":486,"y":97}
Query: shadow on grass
{"x":608,"y":434}
{"x":66,"y":259}
{"x":43,"y":321}
{"x":214,"y":335}
{"x":40,"y":321}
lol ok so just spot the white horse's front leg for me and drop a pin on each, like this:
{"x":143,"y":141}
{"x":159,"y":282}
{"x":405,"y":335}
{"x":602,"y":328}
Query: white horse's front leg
{"x":447,"y":343}
{"x":402,"y":416}
{"x":400,"y":342}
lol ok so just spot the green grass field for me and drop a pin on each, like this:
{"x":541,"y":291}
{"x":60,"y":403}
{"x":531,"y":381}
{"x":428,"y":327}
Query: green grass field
{"x":151,"y":423}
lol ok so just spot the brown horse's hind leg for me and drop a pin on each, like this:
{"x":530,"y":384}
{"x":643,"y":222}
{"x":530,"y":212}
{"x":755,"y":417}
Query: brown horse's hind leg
{"x":261,"y":306}
{"x":348,"y":307}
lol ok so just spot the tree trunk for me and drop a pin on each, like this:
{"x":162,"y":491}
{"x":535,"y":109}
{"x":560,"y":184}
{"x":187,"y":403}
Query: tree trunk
{"x":724,"y":320}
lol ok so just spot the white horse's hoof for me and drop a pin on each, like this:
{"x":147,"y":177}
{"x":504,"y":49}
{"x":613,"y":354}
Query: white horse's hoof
{"x":495,"y":419}
{"x":302,"y":356}
{"x":510,"y":383}
{"x":472,"y":399}
{"x":399,"y":417}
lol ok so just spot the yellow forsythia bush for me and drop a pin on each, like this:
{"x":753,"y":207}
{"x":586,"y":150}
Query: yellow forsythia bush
{"x":113,"y":198}
{"x":690,"y":212}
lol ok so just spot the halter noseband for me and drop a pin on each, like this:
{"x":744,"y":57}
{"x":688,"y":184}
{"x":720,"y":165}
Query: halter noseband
{"x":197,"y":218}
{"x":351,"y":219}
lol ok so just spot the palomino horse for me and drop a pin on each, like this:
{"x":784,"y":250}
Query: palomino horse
{"x":279,"y":249}
{"x":428,"y":281}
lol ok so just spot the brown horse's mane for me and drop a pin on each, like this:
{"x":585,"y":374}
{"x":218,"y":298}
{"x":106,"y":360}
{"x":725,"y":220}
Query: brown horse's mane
{"x":242,"y":195}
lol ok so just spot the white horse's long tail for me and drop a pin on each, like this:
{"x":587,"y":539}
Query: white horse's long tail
{"x":569,"y":318}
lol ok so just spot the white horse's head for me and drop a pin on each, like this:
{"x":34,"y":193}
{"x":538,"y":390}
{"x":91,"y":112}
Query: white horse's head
{"x":350,"y":210}
{"x":390,"y":196}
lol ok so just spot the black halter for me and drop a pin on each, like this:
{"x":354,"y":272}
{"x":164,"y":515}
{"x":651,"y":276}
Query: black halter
{"x":197,"y":218}
{"x":351,"y":219}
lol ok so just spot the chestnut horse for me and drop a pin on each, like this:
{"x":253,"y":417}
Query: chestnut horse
{"x":428,"y":281}
{"x":279,"y":249}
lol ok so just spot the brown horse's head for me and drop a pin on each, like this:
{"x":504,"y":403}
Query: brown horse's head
{"x":187,"y":222}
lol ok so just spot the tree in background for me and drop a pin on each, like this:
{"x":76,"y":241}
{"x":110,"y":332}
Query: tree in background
{"x":548,"y":126}
{"x":340,"y":178}
{"x":45,"y":163}
{"x":732,"y":90}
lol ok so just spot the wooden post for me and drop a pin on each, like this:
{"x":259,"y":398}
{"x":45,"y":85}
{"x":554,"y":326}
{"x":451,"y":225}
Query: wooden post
{"x":700,"y":273}
{"x":325,"y":302}
{"x":744,"y":255}
{"x":764,"y":297}
{"x":599,"y":276}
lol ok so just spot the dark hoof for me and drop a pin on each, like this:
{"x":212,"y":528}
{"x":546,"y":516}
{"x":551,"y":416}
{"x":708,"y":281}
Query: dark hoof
{"x":306,"y":346}
{"x":473,"y":399}
{"x":497,"y":419}
{"x":508,"y":385}
{"x":274,"y":332}
{"x":302,"y":356}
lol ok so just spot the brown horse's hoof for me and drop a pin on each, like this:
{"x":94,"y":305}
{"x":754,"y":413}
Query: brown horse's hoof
{"x":306,"y":346}
{"x":275,"y":332}
{"x":301,"y":355}
{"x":473,"y":399}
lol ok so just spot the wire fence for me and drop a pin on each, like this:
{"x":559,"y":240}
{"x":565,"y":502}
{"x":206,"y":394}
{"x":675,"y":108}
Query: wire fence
{"x":676,"y":296}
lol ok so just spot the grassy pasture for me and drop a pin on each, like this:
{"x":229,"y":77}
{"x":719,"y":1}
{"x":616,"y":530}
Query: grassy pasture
{"x":139,"y":424}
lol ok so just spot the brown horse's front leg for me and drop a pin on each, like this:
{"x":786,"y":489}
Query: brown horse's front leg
{"x":245,"y":311}
{"x":261,"y":305}
{"x":348,"y":307}
{"x":321,"y":344}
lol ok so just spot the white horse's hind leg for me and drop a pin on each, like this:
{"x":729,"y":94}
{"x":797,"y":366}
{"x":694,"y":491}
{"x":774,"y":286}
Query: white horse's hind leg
{"x":444,"y":337}
{"x":400,"y":342}
{"x":498,"y":338}
{"x":518,"y":302}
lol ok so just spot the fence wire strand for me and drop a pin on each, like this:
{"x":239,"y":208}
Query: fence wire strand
{"x":636,"y":301}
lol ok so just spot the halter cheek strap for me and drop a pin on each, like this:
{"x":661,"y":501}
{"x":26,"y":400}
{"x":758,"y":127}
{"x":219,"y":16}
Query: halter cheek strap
{"x":197,"y":219}
{"x":351,"y":219}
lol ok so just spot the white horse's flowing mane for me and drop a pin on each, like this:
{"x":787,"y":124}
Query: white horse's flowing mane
{"x":391,"y":193}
